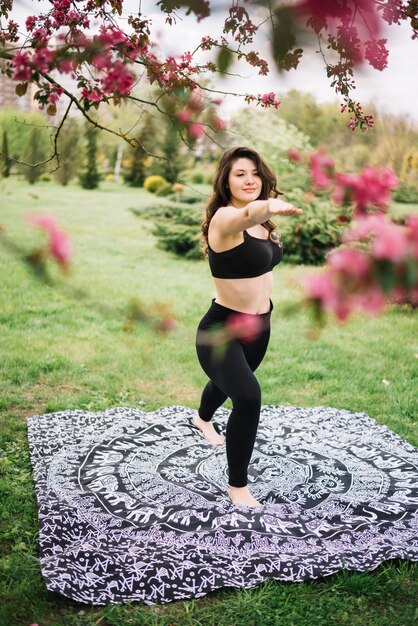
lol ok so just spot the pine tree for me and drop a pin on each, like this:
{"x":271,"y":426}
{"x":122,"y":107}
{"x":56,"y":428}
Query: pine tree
{"x":36,"y":152}
{"x":137,"y":172}
{"x":5,"y":165}
{"x":68,"y":147}
{"x":135,"y":175}
{"x":90,"y":178}
{"x":171,"y":149}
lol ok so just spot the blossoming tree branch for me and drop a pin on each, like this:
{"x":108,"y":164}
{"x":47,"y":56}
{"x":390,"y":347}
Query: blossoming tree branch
{"x":378,"y":261}
{"x":83,"y":39}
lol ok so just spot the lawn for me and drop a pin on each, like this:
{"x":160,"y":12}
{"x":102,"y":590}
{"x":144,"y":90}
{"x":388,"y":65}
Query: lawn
{"x":64,"y":345}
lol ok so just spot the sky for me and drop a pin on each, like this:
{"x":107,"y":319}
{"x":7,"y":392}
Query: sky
{"x":393,"y":91}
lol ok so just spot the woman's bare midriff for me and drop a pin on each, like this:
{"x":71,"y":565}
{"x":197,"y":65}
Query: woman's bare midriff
{"x":247,"y":295}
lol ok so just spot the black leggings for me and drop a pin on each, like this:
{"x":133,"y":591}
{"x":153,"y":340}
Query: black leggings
{"x":230,"y":369}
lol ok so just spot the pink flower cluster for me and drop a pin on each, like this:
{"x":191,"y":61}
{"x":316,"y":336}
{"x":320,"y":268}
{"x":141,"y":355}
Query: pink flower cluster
{"x":118,"y":79}
{"x":322,"y":169}
{"x":59,"y":244}
{"x":244,"y":327}
{"x":377,"y":54}
{"x":370,"y":188}
{"x":356,"y":279}
{"x":266,"y":100}
{"x":92,"y":94}
{"x":193,"y":117}
{"x":22,"y":71}
{"x":254,"y":59}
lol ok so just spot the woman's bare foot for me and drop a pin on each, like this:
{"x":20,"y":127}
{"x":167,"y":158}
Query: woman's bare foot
{"x":208,"y":431}
{"x":242,"y":495}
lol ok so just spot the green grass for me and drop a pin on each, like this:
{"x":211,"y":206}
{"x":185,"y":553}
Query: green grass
{"x":63,"y":347}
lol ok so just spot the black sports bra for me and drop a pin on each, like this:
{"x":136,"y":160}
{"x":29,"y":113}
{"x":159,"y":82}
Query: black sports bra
{"x":253,"y":257}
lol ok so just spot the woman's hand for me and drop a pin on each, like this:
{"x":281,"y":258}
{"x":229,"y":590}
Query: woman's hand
{"x":278,"y":207}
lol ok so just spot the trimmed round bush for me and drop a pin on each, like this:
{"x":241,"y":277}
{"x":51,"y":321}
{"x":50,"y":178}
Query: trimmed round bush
{"x":307,"y":238}
{"x":154,"y":183}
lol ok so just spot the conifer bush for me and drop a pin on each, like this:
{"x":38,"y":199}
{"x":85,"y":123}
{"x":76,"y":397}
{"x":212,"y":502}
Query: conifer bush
{"x":406,"y":194}
{"x":308,"y":237}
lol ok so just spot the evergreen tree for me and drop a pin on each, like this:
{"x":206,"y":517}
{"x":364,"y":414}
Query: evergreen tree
{"x":89,"y":179}
{"x":171,"y":149}
{"x":5,"y":165}
{"x":35,"y":150}
{"x":135,"y":175}
{"x":137,"y":171}
{"x":68,"y":147}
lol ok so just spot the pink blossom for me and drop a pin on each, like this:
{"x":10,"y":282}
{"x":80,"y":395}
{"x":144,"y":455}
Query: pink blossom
{"x":66,"y":66}
{"x":195,"y":130}
{"x":92,"y":94}
{"x":40,"y":37}
{"x":63,"y":5}
{"x":343,"y":308}
{"x":363,"y":228}
{"x":322,"y":168}
{"x":219,"y":124}
{"x":110,"y":36}
{"x":31,"y":22}
{"x":349,"y":261}
{"x":42,"y":59}
{"x":60,"y":247}
{"x":390,"y":242}
{"x":118,"y":79}
{"x":377,"y":54}
{"x":372,"y":301}
{"x":243,"y":326}
{"x":363,"y":14}
{"x":21,"y":62}
{"x":321,"y":287}
{"x":269,"y":99}
{"x":59,"y":243}
{"x":102,"y":61}
{"x":372,"y":187}
{"x":166,"y":324}
{"x":294,"y":155}
{"x":183,"y":116}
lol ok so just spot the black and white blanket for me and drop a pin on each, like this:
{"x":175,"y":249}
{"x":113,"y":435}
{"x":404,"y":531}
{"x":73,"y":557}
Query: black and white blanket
{"x":132,"y":504}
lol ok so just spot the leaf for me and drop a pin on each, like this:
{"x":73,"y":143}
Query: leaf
{"x":21,"y":89}
{"x":224,"y":59}
{"x":52,"y":109}
{"x":284,"y":40}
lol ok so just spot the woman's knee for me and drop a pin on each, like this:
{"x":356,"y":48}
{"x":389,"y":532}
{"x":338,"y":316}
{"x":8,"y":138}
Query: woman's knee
{"x":248,"y":398}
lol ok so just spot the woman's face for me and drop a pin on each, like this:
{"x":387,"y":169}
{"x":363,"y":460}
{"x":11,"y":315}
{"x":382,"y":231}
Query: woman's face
{"x":244,"y":182}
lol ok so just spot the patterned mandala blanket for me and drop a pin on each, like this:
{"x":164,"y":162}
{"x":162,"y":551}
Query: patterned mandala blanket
{"x":132,"y":504}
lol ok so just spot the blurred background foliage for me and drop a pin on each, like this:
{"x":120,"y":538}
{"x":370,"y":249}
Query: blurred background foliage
{"x":178,"y":172}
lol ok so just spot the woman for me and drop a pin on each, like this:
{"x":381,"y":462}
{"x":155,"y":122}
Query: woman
{"x":242,"y":247}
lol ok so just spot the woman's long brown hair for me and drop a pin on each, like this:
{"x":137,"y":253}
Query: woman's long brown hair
{"x":221,"y":194}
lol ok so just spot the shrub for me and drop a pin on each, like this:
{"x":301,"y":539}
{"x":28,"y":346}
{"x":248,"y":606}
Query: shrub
{"x":405,"y":194}
{"x":201,"y":174}
{"x":197,"y":178}
{"x":182,"y":239}
{"x":165,"y":190}
{"x":307,"y":238}
{"x":176,"y":227}
{"x":153,"y":183}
